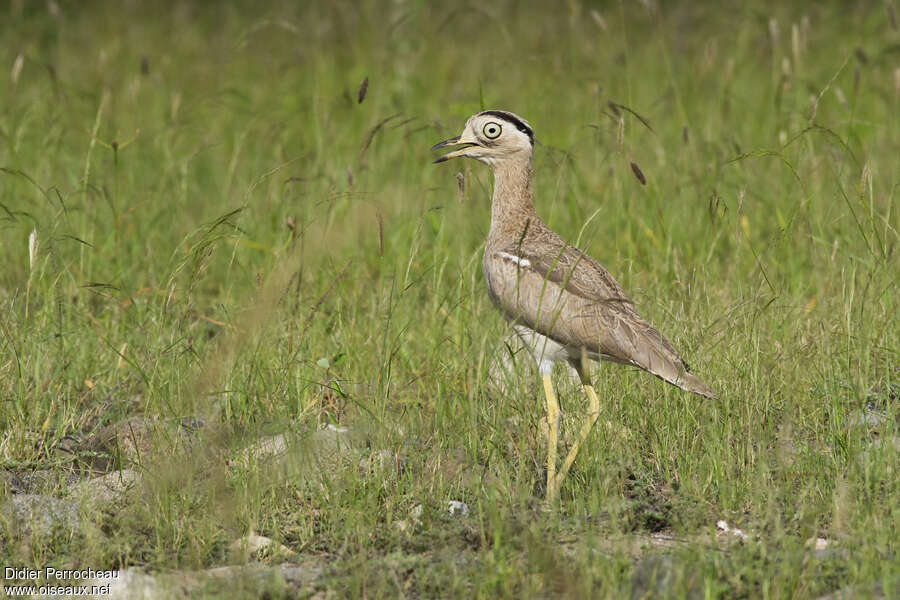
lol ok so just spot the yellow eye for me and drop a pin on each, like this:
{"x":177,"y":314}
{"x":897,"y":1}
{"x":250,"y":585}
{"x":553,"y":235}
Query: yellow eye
{"x":492,"y":130}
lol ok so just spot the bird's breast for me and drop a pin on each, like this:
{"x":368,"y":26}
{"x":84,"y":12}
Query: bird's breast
{"x":523,"y":295}
{"x":488,"y":280}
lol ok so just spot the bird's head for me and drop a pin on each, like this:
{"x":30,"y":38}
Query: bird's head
{"x":492,"y":137}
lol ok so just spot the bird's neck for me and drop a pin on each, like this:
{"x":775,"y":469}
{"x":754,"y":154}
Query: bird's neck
{"x":511,"y":203}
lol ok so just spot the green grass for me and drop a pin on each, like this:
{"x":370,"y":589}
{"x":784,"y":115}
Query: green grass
{"x":212,"y":225}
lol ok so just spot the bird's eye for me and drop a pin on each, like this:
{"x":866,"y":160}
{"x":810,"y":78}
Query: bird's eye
{"x":492,"y":130}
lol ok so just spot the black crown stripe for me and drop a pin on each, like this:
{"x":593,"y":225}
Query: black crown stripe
{"x":511,"y":118}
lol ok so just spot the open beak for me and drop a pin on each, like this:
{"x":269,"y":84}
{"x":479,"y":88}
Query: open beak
{"x":456,"y":141}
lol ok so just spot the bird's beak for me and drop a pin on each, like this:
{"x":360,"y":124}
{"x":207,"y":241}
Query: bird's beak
{"x":455,"y":141}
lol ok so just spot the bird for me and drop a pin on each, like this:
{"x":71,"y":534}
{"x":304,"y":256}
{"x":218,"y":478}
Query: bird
{"x":561,"y":303}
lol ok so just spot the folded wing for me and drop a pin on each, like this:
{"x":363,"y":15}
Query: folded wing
{"x":564,"y":294}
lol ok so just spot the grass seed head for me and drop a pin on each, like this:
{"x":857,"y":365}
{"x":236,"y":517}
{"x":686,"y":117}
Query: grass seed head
{"x":638,"y":173}
{"x":620,"y":134}
{"x":380,"y":220}
{"x":32,"y":248}
{"x":795,"y":42}
{"x":363,"y":88}
{"x":599,"y":20}
{"x":17,"y":69}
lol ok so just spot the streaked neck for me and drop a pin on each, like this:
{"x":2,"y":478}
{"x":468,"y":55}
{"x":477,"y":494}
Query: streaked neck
{"x":511,"y":203}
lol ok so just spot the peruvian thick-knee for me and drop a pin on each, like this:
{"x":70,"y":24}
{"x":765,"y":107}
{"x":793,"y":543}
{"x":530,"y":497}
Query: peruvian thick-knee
{"x":563,"y":304}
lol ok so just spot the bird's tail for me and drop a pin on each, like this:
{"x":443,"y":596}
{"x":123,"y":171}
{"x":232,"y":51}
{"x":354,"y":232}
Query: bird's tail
{"x":649,"y":350}
{"x":691,"y":383}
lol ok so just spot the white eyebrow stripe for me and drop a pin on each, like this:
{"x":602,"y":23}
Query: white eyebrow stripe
{"x":522,"y":262}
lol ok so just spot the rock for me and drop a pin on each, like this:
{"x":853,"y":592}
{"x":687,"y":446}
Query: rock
{"x":299,"y":576}
{"x":66,"y":446}
{"x":35,"y":514}
{"x":723,"y":527}
{"x":133,"y":584}
{"x":253,"y":545}
{"x":267,"y":447}
{"x":121,"y":443}
{"x":128,"y":442}
{"x":870,"y":418}
{"x":40,"y":481}
{"x":106,"y":488}
{"x":331,"y":440}
{"x":254,"y":580}
{"x":326,"y":450}
{"x":455,"y":507}
{"x":663,"y":540}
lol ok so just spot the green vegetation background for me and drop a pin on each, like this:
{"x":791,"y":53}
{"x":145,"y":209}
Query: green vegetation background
{"x":222,"y":229}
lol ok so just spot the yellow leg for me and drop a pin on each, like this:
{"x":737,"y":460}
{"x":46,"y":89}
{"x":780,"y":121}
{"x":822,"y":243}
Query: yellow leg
{"x":590,"y":419}
{"x":552,"y":436}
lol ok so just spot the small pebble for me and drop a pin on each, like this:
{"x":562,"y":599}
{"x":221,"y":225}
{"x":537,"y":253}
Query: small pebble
{"x":458,"y":508}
